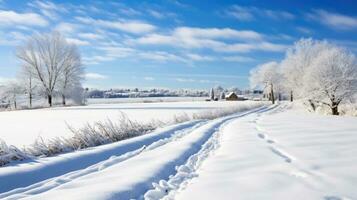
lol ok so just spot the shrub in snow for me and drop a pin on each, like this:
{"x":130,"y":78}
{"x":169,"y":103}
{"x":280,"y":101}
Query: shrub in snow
{"x":10,"y":153}
{"x":108,"y":131}
{"x":92,"y":135}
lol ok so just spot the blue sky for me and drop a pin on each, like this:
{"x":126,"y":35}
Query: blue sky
{"x":174,"y":43}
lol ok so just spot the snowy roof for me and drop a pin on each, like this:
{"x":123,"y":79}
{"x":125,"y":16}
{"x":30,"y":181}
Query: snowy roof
{"x":231,"y":93}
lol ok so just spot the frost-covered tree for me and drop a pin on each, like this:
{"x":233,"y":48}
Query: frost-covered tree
{"x":46,"y":55}
{"x":211,"y":94}
{"x":28,"y":83}
{"x":218,"y":89}
{"x":297,"y":61}
{"x":71,"y":75}
{"x":267,"y":76}
{"x":223,"y":96}
{"x":13,"y":89}
{"x":320,"y":72}
{"x":332,"y":77}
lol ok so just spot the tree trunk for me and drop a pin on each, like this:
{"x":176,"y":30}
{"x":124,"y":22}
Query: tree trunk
{"x":30,"y":99}
{"x":291,"y":96}
{"x":312,"y":105}
{"x":49,"y":98}
{"x":272,"y":94}
{"x":63,"y":100}
{"x":334,"y":108}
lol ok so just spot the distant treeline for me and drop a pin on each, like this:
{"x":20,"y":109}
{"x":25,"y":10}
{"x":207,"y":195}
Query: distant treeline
{"x":135,"y":93}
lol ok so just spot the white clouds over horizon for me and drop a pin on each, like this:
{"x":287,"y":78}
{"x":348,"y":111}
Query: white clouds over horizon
{"x":211,"y":38}
{"x":11,"y":18}
{"x":95,"y":76}
{"x":333,"y":20}
{"x":132,"y":26}
{"x":249,"y":13}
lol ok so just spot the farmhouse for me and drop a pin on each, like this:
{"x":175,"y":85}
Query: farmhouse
{"x":232,"y":97}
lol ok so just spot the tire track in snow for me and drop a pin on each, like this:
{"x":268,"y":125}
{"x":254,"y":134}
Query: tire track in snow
{"x":166,"y":189}
{"x":66,"y":178}
{"x":118,"y":187}
{"x":33,"y":172}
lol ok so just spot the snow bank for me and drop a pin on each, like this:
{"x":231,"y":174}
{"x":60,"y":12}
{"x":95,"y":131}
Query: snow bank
{"x":282,"y":154}
{"x":32,"y":171}
{"x":111,"y":131}
{"x":129,"y":179}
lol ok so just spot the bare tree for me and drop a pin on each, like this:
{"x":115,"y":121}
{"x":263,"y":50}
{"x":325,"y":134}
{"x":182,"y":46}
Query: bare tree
{"x":72,"y":74}
{"x":46,"y":55}
{"x":28,"y":82}
{"x":13,"y":89}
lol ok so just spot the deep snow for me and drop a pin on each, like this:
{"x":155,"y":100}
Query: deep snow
{"x":287,"y":154}
{"x":269,"y":153}
{"x":112,"y":178}
{"x":23,"y":127}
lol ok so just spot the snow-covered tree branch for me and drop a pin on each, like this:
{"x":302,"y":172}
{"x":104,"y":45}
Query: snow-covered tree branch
{"x":51,"y":61}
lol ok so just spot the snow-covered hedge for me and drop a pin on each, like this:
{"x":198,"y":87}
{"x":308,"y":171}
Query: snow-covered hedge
{"x":108,"y":131}
{"x":10,"y":153}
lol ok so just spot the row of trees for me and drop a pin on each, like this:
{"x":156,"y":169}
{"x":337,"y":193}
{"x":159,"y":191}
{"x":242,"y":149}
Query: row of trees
{"x":50,"y":65}
{"x":316,"y":71}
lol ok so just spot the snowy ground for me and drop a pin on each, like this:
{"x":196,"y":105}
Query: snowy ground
{"x":143,"y":100}
{"x":275,"y":152}
{"x":23,"y":127}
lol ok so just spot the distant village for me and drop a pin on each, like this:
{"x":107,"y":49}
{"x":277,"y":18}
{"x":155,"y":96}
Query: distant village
{"x":214,"y":94}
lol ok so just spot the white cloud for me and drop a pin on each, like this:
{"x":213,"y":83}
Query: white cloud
{"x":149,"y":78}
{"x":12,"y":38}
{"x":65,"y":27}
{"x":211,"y":38}
{"x":304,"y":30}
{"x":196,"y":57}
{"x":90,"y":36}
{"x":95,"y":76}
{"x":117,"y":51}
{"x":334,"y":20}
{"x":184,"y":80}
{"x":94,"y":60}
{"x":237,"y":59}
{"x":228,"y":33}
{"x":78,"y":42}
{"x":248,"y":13}
{"x":189,"y":37}
{"x":135,"y":27}
{"x":156,"y":14}
{"x":190,"y":80}
{"x":48,"y":9}
{"x":240,"y":13}
{"x":11,"y":18}
{"x":160,"y":56}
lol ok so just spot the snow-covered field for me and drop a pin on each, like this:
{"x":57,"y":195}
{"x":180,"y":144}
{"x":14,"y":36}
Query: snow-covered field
{"x":143,"y":100}
{"x":271,"y":152}
{"x":23,"y":127}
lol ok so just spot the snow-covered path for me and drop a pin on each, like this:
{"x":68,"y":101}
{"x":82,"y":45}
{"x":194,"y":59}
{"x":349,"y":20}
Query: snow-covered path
{"x":285,"y":154}
{"x":115,"y":179}
{"x":267,"y":153}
